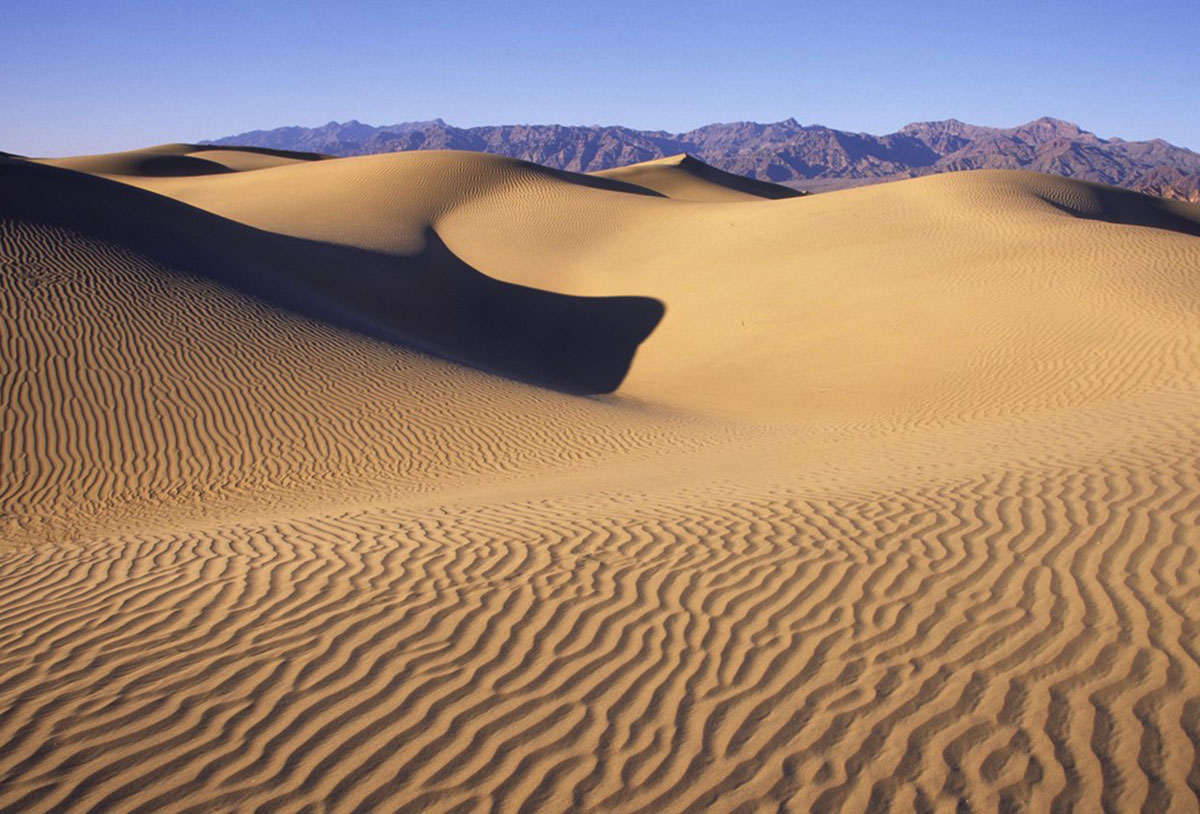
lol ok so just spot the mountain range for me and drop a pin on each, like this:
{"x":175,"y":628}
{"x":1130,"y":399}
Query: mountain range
{"x":809,"y":157}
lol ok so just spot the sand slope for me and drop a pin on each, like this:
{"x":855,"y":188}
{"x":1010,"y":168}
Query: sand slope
{"x":685,"y":178}
{"x":171,"y":160}
{"x":895,"y":506}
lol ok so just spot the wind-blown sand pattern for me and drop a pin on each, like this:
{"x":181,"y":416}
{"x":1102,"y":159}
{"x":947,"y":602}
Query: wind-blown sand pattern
{"x":314,"y":499}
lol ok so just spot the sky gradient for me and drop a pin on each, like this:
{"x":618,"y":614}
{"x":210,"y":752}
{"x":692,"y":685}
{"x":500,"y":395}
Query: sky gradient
{"x":84,"y":77}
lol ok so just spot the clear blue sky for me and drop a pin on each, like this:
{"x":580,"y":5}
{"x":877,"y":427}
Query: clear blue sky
{"x":93,"y":76}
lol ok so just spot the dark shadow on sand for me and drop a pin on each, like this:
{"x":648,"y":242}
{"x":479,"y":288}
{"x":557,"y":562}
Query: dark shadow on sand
{"x":431,"y":301}
{"x":1130,"y":208}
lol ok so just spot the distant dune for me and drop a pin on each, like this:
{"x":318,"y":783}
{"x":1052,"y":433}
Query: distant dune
{"x":685,"y":178}
{"x":443,"y":481}
{"x":181,"y":159}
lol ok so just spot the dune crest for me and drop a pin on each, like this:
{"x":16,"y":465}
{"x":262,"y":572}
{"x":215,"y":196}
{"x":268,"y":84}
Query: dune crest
{"x":311,"y":500}
{"x":684,"y":177}
{"x":170,"y":160}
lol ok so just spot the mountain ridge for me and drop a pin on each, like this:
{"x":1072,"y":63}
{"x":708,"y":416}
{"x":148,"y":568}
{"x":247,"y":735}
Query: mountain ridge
{"x":812,"y":157}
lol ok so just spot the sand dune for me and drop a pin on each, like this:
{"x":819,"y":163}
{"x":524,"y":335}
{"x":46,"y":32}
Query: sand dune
{"x":824,"y":306}
{"x":894,"y":503}
{"x":430,"y":299}
{"x":180,"y":159}
{"x":686,"y":178}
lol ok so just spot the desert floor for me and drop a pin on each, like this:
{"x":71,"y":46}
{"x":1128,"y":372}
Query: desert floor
{"x":441,"y":482}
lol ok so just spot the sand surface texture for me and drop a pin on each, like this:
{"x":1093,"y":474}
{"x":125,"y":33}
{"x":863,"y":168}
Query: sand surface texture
{"x":441,"y":482}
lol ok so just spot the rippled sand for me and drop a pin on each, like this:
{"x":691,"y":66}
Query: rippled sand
{"x":315,"y":497}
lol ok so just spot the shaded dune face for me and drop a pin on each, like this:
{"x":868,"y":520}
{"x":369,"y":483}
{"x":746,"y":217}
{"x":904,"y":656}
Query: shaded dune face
{"x":431,"y":301}
{"x":150,"y":166}
{"x":685,"y":178}
{"x":179,"y":160}
{"x":581,"y":345}
{"x":1114,"y":205}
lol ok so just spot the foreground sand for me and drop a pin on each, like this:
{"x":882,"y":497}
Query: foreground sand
{"x":896,"y":507}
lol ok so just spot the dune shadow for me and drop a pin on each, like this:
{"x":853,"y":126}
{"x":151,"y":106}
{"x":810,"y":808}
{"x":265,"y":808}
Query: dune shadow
{"x":432,"y":301}
{"x":436,"y":302}
{"x":148,"y":164}
{"x":1129,"y":208}
{"x":299,"y":155}
{"x":175,"y":166}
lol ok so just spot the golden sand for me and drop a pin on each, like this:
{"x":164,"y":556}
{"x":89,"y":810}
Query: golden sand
{"x":315,"y":496}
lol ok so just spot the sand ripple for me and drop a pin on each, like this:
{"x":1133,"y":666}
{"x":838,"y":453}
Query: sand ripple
{"x":905,"y":515}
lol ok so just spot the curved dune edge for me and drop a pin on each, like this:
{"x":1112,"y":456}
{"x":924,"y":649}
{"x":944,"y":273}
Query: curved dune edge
{"x":684,"y":177}
{"x":429,"y":300}
{"x":896,"y":509}
{"x":169,"y":160}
